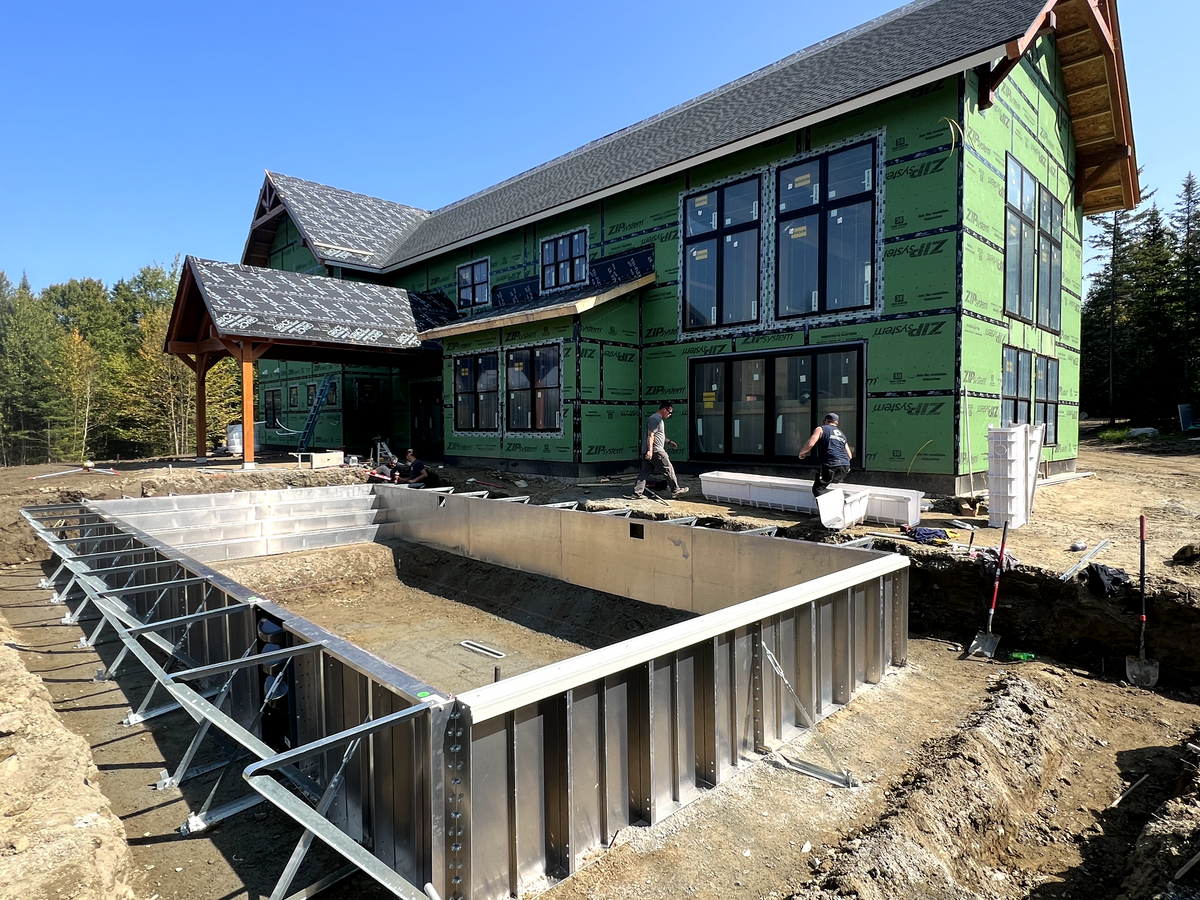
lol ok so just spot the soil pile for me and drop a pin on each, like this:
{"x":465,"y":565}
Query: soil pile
{"x":954,"y":818}
{"x":58,"y":835}
{"x":1170,"y":839}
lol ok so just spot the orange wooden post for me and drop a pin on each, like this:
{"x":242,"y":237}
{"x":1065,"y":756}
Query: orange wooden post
{"x":201,"y":400}
{"x":247,"y":405}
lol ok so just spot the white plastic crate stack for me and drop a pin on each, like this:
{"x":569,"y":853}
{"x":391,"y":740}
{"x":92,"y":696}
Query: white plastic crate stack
{"x":1008,"y":462}
{"x":1014,"y":455}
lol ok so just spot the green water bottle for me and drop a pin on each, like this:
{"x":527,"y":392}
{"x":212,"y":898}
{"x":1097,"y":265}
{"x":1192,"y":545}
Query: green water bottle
{"x":1022,"y":655}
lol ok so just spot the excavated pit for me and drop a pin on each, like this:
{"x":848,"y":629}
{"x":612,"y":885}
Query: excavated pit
{"x":412,"y":606}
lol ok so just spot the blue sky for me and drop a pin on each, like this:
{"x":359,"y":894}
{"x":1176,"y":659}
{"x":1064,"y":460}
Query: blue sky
{"x":137,"y":131}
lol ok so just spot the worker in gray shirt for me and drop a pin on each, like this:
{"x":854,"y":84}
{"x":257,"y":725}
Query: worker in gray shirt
{"x":654,"y":453}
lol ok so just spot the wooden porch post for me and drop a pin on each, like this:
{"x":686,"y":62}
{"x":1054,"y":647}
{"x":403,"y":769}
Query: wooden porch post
{"x":247,"y":405}
{"x":201,"y":399}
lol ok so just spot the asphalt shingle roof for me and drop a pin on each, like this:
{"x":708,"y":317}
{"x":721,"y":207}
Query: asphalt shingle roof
{"x":903,"y":44}
{"x":251,"y":302}
{"x":347,"y":227}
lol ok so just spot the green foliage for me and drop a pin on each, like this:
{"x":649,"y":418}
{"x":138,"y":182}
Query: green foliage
{"x":1140,"y":340}
{"x":1113,"y":435}
{"x":83,"y":373}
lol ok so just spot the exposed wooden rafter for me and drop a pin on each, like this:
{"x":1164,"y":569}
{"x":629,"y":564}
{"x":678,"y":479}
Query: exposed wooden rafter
{"x":991,"y":76}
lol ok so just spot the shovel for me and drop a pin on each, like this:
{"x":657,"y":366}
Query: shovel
{"x":985,"y":642}
{"x":1141,"y":671}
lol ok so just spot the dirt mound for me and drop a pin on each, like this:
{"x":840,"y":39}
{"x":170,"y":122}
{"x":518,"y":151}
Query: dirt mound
{"x":951,"y":823}
{"x":58,"y":834}
{"x":1170,"y":839}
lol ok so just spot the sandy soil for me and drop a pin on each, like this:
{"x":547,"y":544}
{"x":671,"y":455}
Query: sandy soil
{"x":919,"y":741}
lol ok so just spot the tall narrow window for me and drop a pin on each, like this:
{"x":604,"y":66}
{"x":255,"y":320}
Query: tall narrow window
{"x":331,"y":399}
{"x":1049,"y":307}
{"x":477,"y":393}
{"x":293,"y":396}
{"x":720,"y":255}
{"x":1020,"y":243}
{"x":473,"y":284}
{"x":272,"y":407}
{"x":825,"y":233}
{"x":1016,"y":386}
{"x":534,"y":389}
{"x":311,"y":394}
{"x":1045,"y":396}
{"x":565,"y":260}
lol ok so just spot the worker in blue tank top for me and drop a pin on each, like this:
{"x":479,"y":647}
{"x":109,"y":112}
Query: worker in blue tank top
{"x":833,"y":453}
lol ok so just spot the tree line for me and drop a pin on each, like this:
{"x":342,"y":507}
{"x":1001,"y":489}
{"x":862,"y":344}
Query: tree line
{"x":1140,"y":340}
{"x":83,"y":373}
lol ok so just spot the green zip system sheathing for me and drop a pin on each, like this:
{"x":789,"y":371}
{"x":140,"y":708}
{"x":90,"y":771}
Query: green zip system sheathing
{"x":1029,"y":121}
{"x":937,"y":328}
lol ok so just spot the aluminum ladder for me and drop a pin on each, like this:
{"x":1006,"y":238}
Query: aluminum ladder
{"x":310,"y":426}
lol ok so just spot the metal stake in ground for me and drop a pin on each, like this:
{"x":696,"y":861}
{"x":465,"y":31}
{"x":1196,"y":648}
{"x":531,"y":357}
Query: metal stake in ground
{"x":1141,"y":671}
{"x":985,"y":642}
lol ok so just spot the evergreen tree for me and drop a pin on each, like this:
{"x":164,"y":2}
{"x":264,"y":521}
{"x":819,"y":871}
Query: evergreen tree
{"x":29,"y":346}
{"x":1185,"y":221}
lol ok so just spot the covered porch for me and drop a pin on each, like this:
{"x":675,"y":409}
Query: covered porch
{"x":251,"y":314}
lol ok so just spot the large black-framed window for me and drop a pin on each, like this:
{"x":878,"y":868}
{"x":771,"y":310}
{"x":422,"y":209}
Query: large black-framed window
{"x":1050,"y":259}
{"x":473,"y":284}
{"x":477,"y":392}
{"x":721,"y":255}
{"x":1033,"y":256}
{"x":534,"y":389}
{"x":565,"y":260}
{"x":765,"y":406}
{"x":1029,"y":391}
{"x":825,"y":233}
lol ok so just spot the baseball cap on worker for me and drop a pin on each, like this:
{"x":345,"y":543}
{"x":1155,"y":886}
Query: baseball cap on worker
{"x":831,"y":417}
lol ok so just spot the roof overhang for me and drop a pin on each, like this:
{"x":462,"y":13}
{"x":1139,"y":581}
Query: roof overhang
{"x":199,"y":334}
{"x":1089,"y":47}
{"x":552,"y":310}
{"x":1088,"y":37}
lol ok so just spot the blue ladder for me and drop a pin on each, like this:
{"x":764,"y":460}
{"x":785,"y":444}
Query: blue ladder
{"x":310,"y":426}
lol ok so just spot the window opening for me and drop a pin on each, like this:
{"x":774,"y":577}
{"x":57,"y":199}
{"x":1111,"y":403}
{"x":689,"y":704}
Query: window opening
{"x":825,"y":233}
{"x":534,"y":390}
{"x":473,"y":284}
{"x":311,"y":394}
{"x":721,"y":255}
{"x":766,"y":407}
{"x":477,"y":392}
{"x":564,"y":260}
{"x":272,"y":407}
{"x":293,"y":396}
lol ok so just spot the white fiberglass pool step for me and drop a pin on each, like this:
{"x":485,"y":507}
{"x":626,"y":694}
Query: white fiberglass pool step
{"x":889,"y":506}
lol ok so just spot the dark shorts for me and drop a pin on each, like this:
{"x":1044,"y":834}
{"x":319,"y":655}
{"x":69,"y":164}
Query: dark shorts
{"x":827,"y":476}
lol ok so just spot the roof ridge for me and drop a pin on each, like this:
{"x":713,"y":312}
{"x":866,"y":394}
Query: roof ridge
{"x":762,"y":72}
{"x":330,"y":187}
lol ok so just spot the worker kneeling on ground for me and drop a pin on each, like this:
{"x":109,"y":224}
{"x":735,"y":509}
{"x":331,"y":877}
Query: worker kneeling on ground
{"x":419,"y":474}
{"x":833,"y":453}
{"x":386,"y":472}
{"x":654,"y":453}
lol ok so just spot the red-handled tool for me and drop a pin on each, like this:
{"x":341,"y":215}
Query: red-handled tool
{"x":1141,"y":671}
{"x":985,"y":642}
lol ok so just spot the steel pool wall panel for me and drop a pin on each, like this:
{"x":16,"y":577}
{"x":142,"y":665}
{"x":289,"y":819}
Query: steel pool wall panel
{"x":513,"y":785}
